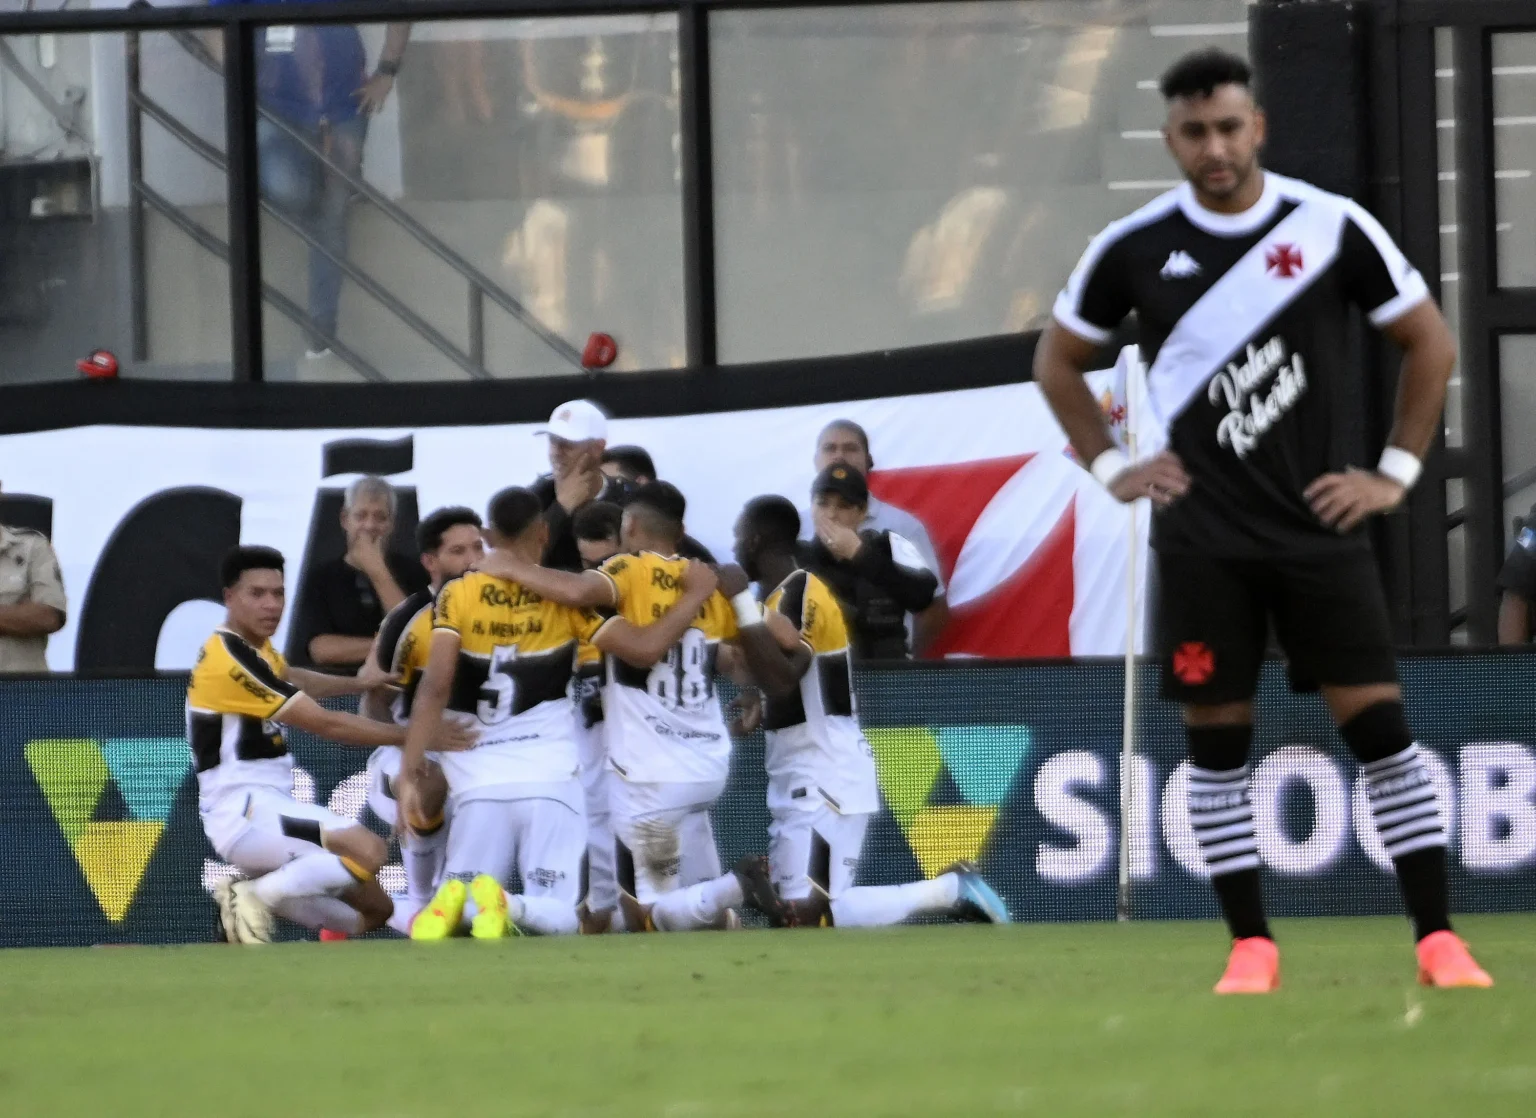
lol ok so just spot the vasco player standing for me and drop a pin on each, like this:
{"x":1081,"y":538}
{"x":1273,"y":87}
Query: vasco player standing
{"x":1241,"y":281}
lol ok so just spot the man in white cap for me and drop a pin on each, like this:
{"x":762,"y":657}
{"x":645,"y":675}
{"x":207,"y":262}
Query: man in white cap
{"x":578,"y":435}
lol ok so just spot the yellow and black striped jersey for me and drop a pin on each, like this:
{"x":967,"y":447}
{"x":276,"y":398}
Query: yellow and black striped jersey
{"x":404,"y":639}
{"x":664,"y":723}
{"x":816,"y":752}
{"x":233,"y":698}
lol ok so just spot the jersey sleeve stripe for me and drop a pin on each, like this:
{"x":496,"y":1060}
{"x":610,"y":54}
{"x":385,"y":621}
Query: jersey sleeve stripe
{"x":1065,"y":313}
{"x":249,"y":659}
{"x":613,"y":584}
{"x":1412,"y":290}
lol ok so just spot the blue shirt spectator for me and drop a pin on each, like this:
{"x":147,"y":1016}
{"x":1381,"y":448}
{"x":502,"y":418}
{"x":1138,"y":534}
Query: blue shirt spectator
{"x":311,"y":72}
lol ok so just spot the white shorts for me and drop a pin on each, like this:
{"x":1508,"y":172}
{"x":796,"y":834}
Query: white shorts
{"x":820,"y":846}
{"x":542,"y":838}
{"x":664,"y":834}
{"x":259,"y":829}
{"x":602,"y":885}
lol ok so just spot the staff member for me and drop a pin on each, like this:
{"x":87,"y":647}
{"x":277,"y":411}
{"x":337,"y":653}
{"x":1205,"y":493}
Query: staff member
{"x":32,"y":603}
{"x":844,"y":442}
{"x":877,"y":575}
{"x":1518,"y":581}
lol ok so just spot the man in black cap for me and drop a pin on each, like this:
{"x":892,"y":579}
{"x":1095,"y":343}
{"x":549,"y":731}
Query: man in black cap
{"x":878,"y":576}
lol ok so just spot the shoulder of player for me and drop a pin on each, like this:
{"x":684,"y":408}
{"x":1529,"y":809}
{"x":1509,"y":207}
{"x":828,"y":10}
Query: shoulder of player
{"x":1136,"y":224}
{"x":1336,"y":206}
{"x":244,"y":653}
{"x":406,"y":611}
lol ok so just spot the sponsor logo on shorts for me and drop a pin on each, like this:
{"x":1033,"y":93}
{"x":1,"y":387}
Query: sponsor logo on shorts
{"x":546,"y":879}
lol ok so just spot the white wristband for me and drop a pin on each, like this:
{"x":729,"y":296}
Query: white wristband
{"x":748,"y":610}
{"x":1399,"y":465}
{"x":1109,"y":465}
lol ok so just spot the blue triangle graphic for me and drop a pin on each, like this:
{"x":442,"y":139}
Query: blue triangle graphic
{"x":983,"y":759}
{"x":148,"y":772}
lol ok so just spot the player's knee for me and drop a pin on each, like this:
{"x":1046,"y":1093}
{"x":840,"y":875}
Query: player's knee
{"x":1377,"y":732}
{"x":360,"y":846}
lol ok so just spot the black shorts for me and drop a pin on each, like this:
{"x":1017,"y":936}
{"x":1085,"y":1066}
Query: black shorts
{"x":1213,"y":618}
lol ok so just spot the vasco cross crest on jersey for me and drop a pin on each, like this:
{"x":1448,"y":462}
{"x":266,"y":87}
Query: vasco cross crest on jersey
{"x":1284,"y":261}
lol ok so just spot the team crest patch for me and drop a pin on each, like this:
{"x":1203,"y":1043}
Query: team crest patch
{"x":1194,"y":663}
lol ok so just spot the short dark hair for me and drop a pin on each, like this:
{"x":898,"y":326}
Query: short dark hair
{"x":851,"y":427}
{"x":663,"y":502}
{"x":248,"y":557}
{"x":1201,"y":72}
{"x":597,"y":520}
{"x":632,"y":461}
{"x":774,"y":520}
{"x":511,"y":511}
{"x":430,"y":532}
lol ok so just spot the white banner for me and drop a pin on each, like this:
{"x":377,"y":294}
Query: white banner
{"x":1033,"y":550}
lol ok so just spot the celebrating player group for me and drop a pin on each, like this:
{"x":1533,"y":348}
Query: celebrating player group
{"x":497,"y":760}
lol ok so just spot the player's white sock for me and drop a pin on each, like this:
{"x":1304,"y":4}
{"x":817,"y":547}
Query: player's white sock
{"x":423,"y":856}
{"x":406,"y":908}
{"x":320,"y":911}
{"x":320,"y":872}
{"x":698,"y":906}
{"x":876,"y":906}
{"x":543,"y":916}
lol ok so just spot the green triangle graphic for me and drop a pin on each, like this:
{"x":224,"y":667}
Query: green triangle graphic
{"x":71,"y":773}
{"x":908,"y":762}
{"x":148,"y":772}
{"x":983,"y":759}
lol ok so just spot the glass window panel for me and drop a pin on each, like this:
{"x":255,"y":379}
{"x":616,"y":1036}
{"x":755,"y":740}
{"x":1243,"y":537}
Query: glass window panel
{"x":532,"y":160}
{"x":891,"y":176}
{"x":1450,"y":276}
{"x":66,"y":195}
{"x":1514,"y":146}
{"x":1517,"y":421}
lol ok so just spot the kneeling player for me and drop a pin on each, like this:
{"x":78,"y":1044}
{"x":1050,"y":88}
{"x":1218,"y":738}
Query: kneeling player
{"x":822,"y":787}
{"x":310,"y":865}
{"x":502,"y":659}
{"x":450,"y":545}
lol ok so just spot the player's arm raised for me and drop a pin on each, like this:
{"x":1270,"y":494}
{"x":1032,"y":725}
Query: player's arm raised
{"x":642,"y":646}
{"x":586,"y":590}
{"x":1061,"y":359}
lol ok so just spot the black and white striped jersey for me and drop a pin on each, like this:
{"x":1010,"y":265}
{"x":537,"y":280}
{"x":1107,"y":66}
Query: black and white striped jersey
{"x":1244,"y":324}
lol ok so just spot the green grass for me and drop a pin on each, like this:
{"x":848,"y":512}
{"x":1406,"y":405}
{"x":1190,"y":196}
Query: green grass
{"x":1049,"y":1020}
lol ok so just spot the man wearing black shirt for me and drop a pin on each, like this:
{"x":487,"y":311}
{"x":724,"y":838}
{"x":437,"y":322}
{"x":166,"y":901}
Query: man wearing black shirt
{"x":1242,"y":282}
{"x":346,"y":599}
{"x":878,"y":576}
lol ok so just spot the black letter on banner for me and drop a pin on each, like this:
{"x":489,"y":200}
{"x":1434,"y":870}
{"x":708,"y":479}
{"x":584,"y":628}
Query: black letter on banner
{"x":165,"y":552}
{"x":326,"y":542}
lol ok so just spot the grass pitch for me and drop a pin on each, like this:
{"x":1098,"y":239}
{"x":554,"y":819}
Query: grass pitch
{"x":1049,"y":1020}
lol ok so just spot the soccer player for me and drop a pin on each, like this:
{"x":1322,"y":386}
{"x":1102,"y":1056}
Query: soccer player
{"x":308,"y":864}
{"x":1242,"y":282}
{"x":822,"y":789}
{"x":668,"y":746}
{"x":502,"y":658}
{"x":450,"y":544}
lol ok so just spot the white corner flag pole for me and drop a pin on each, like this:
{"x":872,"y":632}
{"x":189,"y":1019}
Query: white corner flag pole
{"x":1133,"y":375}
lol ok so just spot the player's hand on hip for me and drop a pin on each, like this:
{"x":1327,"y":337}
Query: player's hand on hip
{"x":1161,"y":479}
{"x":455,"y":737}
{"x":1343,"y":501}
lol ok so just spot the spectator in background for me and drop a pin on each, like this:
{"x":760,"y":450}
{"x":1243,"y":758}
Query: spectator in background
{"x":315,"y":77}
{"x":629,"y":463}
{"x":32,"y":603}
{"x":596,"y":528}
{"x":877,"y":575}
{"x":1518,"y":581}
{"x":346,"y":599}
{"x":844,"y":442}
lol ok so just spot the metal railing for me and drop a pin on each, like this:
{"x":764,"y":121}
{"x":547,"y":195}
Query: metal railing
{"x":480,"y":286}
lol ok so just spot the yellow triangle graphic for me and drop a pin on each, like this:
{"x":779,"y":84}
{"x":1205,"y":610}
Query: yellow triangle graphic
{"x":113,"y":857}
{"x":942,"y":835}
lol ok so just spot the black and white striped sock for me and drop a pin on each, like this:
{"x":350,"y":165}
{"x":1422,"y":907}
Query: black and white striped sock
{"x":1404,"y":804}
{"x":1221,"y":816}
